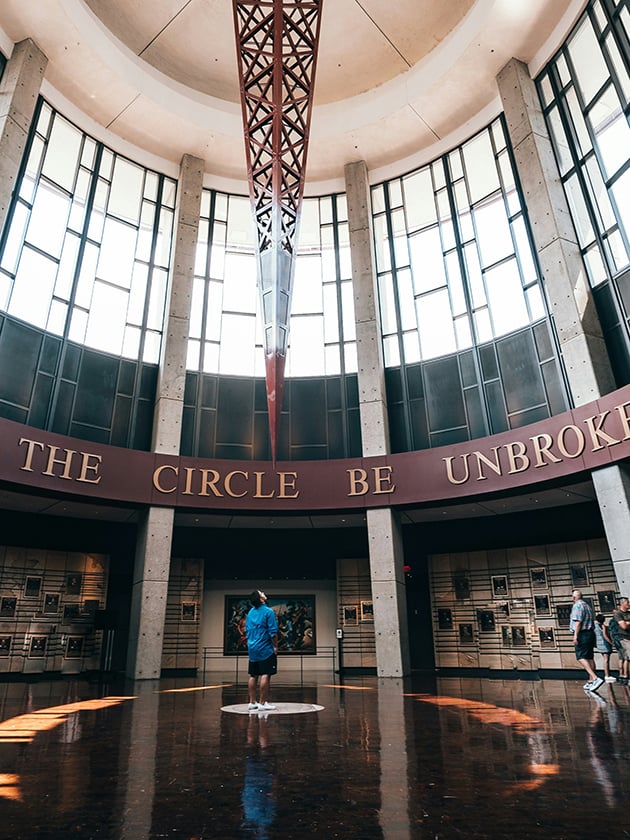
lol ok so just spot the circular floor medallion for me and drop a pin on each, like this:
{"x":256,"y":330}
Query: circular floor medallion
{"x":281,"y":709}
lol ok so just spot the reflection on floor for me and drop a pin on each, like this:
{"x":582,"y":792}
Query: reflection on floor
{"x":417,"y":758}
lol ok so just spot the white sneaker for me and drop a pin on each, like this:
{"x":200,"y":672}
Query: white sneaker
{"x":611,"y":679}
{"x":266,"y":707}
{"x":596,"y":684}
{"x":253,"y":707}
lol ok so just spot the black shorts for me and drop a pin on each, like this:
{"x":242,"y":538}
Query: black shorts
{"x":267,"y":666}
{"x":585,"y":644}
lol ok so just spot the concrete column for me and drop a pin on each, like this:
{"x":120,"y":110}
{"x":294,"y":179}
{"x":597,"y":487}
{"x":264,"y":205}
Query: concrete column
{"x":584,"y":353}
{"x":384,"y":530}
{"x":153,"y":547}
{"x":19,"y":89}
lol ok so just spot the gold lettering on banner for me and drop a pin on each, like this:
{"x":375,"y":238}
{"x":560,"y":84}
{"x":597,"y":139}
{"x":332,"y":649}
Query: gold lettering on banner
{"x":87,"y":463}
{"x":236,"y":483}
{"x":360,"y":485}
{"x":538,"y":451}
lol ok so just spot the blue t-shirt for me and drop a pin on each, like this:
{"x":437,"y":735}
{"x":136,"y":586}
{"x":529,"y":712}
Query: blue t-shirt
{"x":260,"y":628}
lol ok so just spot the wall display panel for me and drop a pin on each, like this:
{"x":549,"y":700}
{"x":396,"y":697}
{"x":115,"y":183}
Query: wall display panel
{"x":295,"y":615}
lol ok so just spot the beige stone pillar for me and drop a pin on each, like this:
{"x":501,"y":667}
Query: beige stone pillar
{"x":383,"y":524}
{"x":19,"y":89}
{"x":153,"y":548}
{"x":586,"y":361}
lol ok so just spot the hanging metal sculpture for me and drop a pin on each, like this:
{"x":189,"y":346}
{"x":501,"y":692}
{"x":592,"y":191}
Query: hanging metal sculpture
{"x":277,"y":43}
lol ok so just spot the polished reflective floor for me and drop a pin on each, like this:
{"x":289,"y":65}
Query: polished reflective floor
{"x":420,"y":758}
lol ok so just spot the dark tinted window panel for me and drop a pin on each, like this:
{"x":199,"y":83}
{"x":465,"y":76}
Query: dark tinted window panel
{"x":207,"y":423}
{"x":468,"y":369}
{"x":496,"y":408}
{"x":520,"y":371}
{"x":419,"y":430}
{"x":544,"y":345}
{"x":476,"y":413}
{"x":415,"y":385}
{"x":308,"y":412}
{"x":236,"y":453}
{"x":393,"y":384}
{"x":148,"y":382}
{"x":445,"y":405}
{"x":623,"y":285}
{"x":606,"y":309}
{"x":617,"y":346}
{"x":209,"y":392}
{"x":489,"y":365}
{"x":12,"y":412}
{"x":309,"y":453}
{"x":260,"y":394}
{"x":449,"y":437}
{"x":353,"y":420}
{"x":352,"y":391}
{"x":18,"y":342}
{"x":190,"y":388}
{"x":188,"y":427}
{"x":94,"y":404}
{"x":40,"y":404}
{"x":397,"y":428}
{"x":235,"y":415}
{"x":333,"y":393}
{"x":84,"y":432}
{"x":336,"y":447}
{"x":262,"y":450}
{"x":50,"y":355}
{"x":71,"y":362}
{"x":554,"y":386}
{"x":127,"y":377}
{"x":143,"y":428}
{"x":121,"y":427}
{"x":63,"y":408}
{"x":531,"y":416}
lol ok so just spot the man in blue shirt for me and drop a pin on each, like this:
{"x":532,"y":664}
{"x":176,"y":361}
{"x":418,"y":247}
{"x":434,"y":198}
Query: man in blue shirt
{"x":581,"y":625}
{"x":261,"y":629}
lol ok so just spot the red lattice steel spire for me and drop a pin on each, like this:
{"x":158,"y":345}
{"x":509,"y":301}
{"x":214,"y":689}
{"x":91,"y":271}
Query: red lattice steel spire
{"x":277,"y":43}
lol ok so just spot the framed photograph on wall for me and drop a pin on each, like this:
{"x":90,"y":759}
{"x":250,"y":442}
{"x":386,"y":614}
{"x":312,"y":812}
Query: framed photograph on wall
{"x":5,"y":645}
{"x":296,"y":623}
{"x":486,"y":620}
{"x":538,"y":577}
{"x":367,"y":611}
{"x":499,"y":586}
{"x":71,"y":612}
{"x":37,"y":647}
{"x":466,"y":635}
{"x":73,"y":584}
{"x":542,"y":605}
{"x":32,"y":587}
{"x":506,"y":636}
{"x":606,"y":600}
{"x":74,"y":647}
{"x":563,"y":612}
{"x":547,"y":637}
{"x":445,"y":619}
{"x":503,"y":610}
{"x":579,"y":575}
{"x":461,"y":586}
{"x":51,"y":603}
{"x":8,"y":605}
{"x":188,"y":611}
{"x":519,"y":637}
{"x":350,"y":613}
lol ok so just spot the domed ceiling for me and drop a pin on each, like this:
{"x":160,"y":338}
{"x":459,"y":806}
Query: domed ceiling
{"x":398,"y":81}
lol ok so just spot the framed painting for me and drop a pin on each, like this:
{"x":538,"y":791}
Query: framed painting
{"x":367,"y":611}
{"x":547,"y":637}
{"x":445,"y":619}
{"x":542,"y":605}
{"x":350,"y":613}
{"x":499,"y":586}
{"x":188,"y":611}
{"x":506,"y":636}
{"x":74,"y":647}
{"x":8,"y":605}
{"x":71,"y":612}
{"x":32,"y":587}
{"x":296,"y":623}
{"x":563,"y":612}
{"x":73,"y":584}
{"x":606,"y":600}
{"x":538,"y":577}
{"x":503,"y":610}
{"x":51,"y":603}
{"x":5,"y":645}
{"x":519,"y":637}
{"x":486,"y":620}
{"x":579,"y":575}
{"x":466,"y":635}
{"x":37,"y":647}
